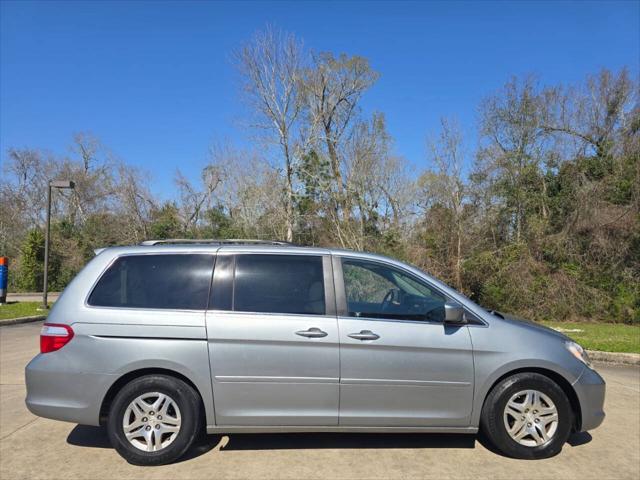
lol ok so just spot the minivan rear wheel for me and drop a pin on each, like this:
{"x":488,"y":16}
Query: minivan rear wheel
{"x":154,"y":419}
{"x":527,"y":416}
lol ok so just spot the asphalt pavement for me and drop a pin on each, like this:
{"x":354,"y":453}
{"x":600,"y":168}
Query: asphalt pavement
{"x":32,"y":447}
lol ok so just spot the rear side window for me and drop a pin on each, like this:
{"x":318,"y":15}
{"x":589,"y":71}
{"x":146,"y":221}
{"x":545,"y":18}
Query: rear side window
{"x":279,"y":284}
{"x":155,"y":281}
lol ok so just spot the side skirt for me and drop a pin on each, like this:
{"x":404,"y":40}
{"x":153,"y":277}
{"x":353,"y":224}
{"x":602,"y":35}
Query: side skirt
{"x":337,"y":429}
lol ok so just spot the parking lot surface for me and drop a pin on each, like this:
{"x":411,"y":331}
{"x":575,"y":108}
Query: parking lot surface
{"x":32,"y":447}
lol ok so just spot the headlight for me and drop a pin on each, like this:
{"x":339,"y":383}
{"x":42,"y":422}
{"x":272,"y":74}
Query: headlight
{"x":578,"y":352}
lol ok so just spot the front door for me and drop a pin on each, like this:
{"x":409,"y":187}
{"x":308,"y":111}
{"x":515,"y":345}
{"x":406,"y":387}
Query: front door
{"x":400,"y":364}
{"x":273,"y":340}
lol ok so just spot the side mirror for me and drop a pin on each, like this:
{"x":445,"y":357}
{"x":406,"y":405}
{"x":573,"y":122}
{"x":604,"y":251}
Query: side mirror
{"x":453,"y":313}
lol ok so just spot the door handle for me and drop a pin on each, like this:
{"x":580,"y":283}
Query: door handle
{"x":312,"y":333}
{"x":364,"y":335}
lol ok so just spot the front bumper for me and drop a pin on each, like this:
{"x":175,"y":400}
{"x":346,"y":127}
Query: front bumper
{"x":590,"y":389}
{"x":57,"y":391}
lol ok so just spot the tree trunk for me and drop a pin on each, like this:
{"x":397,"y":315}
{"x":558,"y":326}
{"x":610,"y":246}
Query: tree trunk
{"x":289,"y":193}
{"x":458,"y":272}
{"x":337,"y":175}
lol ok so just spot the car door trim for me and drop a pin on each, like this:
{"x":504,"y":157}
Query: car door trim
{"x":253,"y":379}
{"x":400,"y":320}
{"x":393,"y":382}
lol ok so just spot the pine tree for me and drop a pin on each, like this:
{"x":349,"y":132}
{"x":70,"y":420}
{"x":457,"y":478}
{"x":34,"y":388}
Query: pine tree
{"x":31,"y":271}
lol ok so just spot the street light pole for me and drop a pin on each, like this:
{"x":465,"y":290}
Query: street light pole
{"x":60,"y":184}
{"x":46,"y":250}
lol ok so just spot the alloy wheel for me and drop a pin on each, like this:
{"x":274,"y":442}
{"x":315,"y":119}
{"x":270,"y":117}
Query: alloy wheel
{"x":152,"y":421}
{"x":531,"y":418}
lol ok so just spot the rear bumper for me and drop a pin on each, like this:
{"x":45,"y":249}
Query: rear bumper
{"x":56,"y":391}
{"x":590,"y":389}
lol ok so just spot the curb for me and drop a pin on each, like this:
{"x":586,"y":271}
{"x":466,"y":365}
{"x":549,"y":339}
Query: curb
{"x":17,"y":321}
{"x":29,"y":294}
{"x":614,"y":357}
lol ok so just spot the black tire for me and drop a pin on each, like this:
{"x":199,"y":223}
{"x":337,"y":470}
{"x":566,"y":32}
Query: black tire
{"x":492,"y":421}
{"x":188,"y":402}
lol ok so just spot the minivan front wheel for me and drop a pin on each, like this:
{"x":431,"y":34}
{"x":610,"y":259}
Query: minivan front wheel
{"x":154,"y":419}
{"x":527,"y":416}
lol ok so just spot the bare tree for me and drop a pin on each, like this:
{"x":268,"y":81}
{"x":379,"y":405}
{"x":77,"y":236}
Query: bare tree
{"x":332,"y":91}
{"x":27,"y":173}
{"x":444,"y":185}
{"x":597,"y":113}
{"x":270,"y":65}
{"x":515,"y":142}
{"x":255,"y":202}
{"x":92,"y":168}
{"x":194,"y":200}
{"x":136,"y":202}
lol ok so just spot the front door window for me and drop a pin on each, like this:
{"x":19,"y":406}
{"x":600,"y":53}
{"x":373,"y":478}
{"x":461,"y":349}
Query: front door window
{"x":374,"y":290}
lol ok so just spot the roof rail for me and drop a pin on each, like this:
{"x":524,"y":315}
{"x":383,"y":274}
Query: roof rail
{"x":214,"y":241}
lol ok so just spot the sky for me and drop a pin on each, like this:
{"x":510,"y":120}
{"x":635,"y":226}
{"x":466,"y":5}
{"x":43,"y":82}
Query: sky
{"x":155,"y":81}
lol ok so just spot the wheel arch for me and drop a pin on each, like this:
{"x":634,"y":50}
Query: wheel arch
{"x":556,"y":377}
{"x":132,"y":375}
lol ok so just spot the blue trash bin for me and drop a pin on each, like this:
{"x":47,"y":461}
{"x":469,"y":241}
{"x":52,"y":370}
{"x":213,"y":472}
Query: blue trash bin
{"x":4,"y":278}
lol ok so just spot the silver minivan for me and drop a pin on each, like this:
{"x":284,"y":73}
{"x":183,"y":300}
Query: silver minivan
{"x":163,"y":341}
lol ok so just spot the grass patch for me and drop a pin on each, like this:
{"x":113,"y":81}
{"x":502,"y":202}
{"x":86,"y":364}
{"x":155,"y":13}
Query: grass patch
{"x":21,"y":309}
{"x":605,"y":337}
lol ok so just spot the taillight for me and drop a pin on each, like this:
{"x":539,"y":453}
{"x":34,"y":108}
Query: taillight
{"x":54,"y":336}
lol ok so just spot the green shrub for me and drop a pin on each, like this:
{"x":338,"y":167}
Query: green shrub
{"x":31,"y":264}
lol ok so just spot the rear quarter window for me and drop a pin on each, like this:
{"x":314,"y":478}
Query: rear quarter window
{"x":155,"y":281}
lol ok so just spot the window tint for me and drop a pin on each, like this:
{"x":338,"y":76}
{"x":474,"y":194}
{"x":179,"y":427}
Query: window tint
{"x":155,"y":281}
{"x":378,"y":291}
{"x":279,"y":284}
{"x":222,"y":286}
